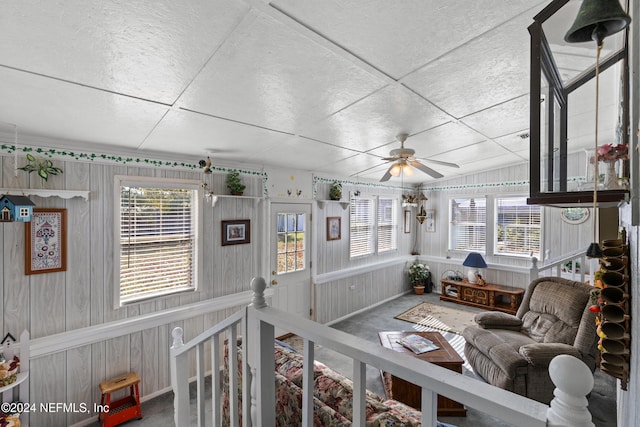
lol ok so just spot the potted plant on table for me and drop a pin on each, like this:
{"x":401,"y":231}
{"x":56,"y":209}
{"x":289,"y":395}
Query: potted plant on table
{"x":419,"y":276}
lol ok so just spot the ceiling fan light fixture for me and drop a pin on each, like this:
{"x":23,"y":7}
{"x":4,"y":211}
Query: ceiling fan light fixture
{"x":407,"y":170}
{"x":395,"y":170}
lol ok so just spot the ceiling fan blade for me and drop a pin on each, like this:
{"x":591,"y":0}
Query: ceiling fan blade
{"x":390,"y":158}
{"x":387,"y":175}
{"x":426,"y":169}
{"x":439,"y":162}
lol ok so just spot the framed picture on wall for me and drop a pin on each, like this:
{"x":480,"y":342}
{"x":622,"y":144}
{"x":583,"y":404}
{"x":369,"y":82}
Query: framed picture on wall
{"x":45,"y":241}
{"x":334,"y":226}
{"x":236,"y":232}
{"x":407,"y":221}
{"x":430,"y":221}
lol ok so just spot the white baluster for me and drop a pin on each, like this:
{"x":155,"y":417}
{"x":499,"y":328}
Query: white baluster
{"x":180,"y":380}
{"x":573,"y":380}
{"x":533,"y":272}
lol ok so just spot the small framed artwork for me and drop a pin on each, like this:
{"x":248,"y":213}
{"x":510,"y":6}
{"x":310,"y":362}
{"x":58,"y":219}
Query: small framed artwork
{"x":574,"y":215}
{"x":45,"y":241}
{"x":430,"y":221}
{"x":236,"y":232}
{"x":334,"y":226}
{"x":407,"y":221}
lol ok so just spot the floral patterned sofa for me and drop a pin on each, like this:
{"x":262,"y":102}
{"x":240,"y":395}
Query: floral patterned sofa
{"x":332,"y":400}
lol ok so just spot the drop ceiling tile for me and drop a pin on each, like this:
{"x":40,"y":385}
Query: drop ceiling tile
{"x":197,"y":134}
{"x":399,"y":37}
{"x":489,"y":70}
{"x":377,"y":119}
{"x":485,"y":150}
{"x":298,"y":153}
{"x":72,"y":112}
{"x":503,"y":119}
{"x":272,"y":76}
{"x":515,"y":142}
{"x":149,"y":50}
{"x":436,"y":141}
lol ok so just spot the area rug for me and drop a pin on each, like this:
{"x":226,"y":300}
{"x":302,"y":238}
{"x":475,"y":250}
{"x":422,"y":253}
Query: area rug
{"x":438,"y":317}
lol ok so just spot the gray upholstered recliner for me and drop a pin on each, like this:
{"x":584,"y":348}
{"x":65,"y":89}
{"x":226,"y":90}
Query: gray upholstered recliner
{"x":513,"y":352}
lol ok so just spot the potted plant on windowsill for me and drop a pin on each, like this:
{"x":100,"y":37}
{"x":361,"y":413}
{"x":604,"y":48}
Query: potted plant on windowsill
{"x":420,"y":277}
{"x":234,"y":183}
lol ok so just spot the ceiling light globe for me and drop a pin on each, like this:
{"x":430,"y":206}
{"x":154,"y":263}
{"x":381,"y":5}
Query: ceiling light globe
{"x":407,"y":170}
{"x":395,"y":170}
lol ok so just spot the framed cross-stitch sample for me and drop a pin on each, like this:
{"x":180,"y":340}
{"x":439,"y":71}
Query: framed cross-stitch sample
{"x":430,"y":221}
{"x":407,"y":221}
{"x":45,"y":241}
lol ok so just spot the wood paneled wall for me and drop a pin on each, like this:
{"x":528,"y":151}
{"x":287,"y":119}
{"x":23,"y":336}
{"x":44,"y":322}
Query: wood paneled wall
{"x":47,"y":304}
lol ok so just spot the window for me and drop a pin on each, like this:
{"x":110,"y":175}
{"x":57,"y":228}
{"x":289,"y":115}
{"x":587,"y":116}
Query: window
{"x":159,"y":248}
{"x":361,"y":226}
{"x":468,"y":218}
{"x":518,"y":230}
{"x":373,"y":225}
{"x":387,"y":225}
{"x":291,"y":243}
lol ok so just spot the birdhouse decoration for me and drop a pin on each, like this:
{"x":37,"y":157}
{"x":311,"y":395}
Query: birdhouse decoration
{"x":15,"y":208}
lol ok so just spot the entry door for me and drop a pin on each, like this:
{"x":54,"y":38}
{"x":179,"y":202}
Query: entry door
{"x":290,"y":258}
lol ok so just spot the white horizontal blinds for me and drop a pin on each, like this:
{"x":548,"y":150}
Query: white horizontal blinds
{"x":387,"y":225}
{"x":518,"y":227}
{"x":157,"y":240}
{"x":468,"y":217}
{"x":361,"y":226}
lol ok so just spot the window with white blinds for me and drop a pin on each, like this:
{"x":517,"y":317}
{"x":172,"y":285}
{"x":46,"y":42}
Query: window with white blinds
{"x":361,"y":226}
{"x":157,"y":237}
{"x":468,"y":224}
{"x":373,"y":225}
{"x":518,"y":227}
{"x":387,"y":225}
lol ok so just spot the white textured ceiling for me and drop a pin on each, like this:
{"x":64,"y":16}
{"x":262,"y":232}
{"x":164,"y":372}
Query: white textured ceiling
{"x":317,"y":85}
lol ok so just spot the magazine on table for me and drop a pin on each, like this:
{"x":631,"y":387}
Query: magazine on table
{"x":418,"y":344}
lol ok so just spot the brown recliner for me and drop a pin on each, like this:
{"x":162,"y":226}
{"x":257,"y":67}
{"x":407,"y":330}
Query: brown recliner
{"x":513,"y":352}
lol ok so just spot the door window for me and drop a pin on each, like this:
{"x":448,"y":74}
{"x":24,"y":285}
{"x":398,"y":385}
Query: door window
{"x":290,"y":241}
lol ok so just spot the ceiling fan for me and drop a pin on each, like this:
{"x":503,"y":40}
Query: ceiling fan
{"x":403,"y":160}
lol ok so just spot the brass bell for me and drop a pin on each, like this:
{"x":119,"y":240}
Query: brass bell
{"x":596,"y":20}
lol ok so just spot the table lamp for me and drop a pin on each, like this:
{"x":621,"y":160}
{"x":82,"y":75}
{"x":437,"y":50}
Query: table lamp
{"x":474,"y":261}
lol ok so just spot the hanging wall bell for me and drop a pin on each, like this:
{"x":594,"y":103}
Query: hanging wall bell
{"x":596,"y":20}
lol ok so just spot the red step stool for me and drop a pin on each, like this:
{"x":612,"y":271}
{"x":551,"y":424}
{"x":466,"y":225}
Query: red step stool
{"x":124,"y":409}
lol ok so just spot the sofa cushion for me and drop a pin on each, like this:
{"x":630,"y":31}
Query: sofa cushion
{"x":497,"y":319}
{"x":499,"y":345}
{"x":289,"y":402}
{"x":554,"y":312}
{"x":336,"y":391}
{"x":290,"y":364}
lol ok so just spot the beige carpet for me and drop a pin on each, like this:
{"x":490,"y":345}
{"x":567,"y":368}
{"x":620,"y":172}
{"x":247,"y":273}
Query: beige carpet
{"x":438,"y":317}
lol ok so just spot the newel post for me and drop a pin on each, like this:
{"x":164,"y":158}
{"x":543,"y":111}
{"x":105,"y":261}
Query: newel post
{"x":574,"y":381}
{"x":260,"y":348}
{"x":179,"y":380}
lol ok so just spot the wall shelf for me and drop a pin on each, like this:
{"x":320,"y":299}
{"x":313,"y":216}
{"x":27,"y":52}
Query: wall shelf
{"x":42,"y":192}
{"x":215,"y":197}
{"x":21,"y":376}
{"x":321,"y":203}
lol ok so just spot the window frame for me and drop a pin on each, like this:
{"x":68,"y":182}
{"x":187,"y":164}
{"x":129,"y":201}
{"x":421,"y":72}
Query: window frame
{"x":374,"y":233}
{"x":496,"y":226}
{"x":197,"y":230}
{"x":450,"y":241}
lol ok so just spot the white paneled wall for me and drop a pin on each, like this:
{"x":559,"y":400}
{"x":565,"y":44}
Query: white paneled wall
{"x":47,"y":304}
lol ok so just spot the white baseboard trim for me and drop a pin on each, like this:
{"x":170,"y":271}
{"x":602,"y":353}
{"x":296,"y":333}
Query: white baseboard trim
{"x":346,"y":316}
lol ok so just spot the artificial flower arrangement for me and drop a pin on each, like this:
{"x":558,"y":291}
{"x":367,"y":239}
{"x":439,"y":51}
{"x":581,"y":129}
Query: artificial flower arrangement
{"x":419,"y":274}
{"x":611,"y":153}
{"x":9,"y":371}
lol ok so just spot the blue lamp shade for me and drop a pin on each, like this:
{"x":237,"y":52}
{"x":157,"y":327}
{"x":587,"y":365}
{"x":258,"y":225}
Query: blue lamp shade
{"x":474,"y":261}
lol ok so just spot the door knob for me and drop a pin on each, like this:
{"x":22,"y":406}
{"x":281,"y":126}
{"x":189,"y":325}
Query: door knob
{"x":274,"y":282}
{"x":273,"y":272}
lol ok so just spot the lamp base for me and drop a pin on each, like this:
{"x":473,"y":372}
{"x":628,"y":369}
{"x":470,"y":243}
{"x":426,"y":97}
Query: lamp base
{"x":472,"y":276}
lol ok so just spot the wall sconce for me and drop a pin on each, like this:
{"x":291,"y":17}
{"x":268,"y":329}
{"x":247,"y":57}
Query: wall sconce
{"x":422,"y":214}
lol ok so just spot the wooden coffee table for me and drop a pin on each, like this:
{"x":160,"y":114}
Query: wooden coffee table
{"x":409,"y":393}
